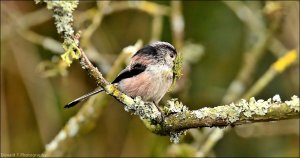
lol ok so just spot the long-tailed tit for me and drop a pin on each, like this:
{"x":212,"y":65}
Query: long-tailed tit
{"x":148,"y":75}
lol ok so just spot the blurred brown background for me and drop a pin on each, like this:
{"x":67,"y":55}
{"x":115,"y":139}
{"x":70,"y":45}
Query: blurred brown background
{"x":34,"y":87}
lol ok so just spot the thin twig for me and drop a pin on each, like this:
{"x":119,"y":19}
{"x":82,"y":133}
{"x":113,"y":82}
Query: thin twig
{"x":178,"y":117}
{"x":157,"y":25}
{"x":238,"y":85}
{"x":96,"y":21}
{"x":253,"y":56}
{"x":22,"y":28}
{"x":86,"y":117}
{"x":27,"y":21}
{"x":278,"y":67}
{"x":177,"y":22}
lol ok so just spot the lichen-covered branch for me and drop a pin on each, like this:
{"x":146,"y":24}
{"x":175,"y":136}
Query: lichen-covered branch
{"x":180,"y":118}
{"x":276,"y":68}
{"x":177,"y":117}
{"x":239,"y":113}
{"x":86,"y":117}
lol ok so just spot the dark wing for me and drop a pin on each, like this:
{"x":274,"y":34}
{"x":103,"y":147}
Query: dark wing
{"x":130,"y":72}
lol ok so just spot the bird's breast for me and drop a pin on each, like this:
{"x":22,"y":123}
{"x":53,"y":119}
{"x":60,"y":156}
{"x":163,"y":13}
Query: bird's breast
{"x":151,"y":85}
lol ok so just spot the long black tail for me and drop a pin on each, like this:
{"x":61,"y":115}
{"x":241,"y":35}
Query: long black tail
{"x":76,"y":101}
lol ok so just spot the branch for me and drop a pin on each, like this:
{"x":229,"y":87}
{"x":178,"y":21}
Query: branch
{"x":86,"y":117}
{"x":239,"y":113}
{"x":178,"y":118}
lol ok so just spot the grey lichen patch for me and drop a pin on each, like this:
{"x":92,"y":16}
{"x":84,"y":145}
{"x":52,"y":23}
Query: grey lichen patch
{"x":232,"y":112}
{"x":253,"y":107}
{"x":276,"y":99}
{"x":175,"y":136}
{"x":146,"y":110}
{"x":294,"y":103}
{"x":199,"y":113}
{"x":204,"y":112}
{"x":174,"y":106}
{"x":212,"y":113}
{"x":242,"y":105}
{"x":63,"y":17}
{"x":68,"y":6}
{"x":62,"y":13}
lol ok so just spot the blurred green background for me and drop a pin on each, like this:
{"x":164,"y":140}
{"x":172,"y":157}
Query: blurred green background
{"x":32,"y":110}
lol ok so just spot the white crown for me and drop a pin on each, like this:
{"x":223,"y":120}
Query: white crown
{"x":160,"y":43}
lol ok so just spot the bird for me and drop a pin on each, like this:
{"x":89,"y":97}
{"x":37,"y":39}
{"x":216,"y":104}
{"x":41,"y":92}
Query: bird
{"x":149,"y":74}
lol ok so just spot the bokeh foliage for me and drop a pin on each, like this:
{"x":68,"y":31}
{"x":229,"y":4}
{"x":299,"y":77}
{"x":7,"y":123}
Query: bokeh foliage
{"x":32,"y":106}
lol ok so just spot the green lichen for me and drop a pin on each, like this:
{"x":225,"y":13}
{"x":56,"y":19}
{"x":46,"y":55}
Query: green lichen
{"x":177,"y":70}
{"x":154,"y":128}
{"x":63,"y":20}
{"x":112,"y":89}
{"x":71,"y":52}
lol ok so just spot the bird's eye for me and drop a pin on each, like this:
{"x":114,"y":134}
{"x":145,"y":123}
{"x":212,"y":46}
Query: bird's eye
{"x":172,"y":55}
